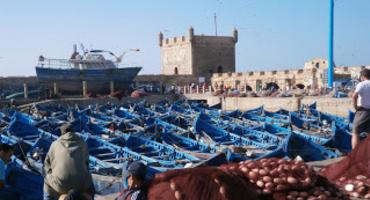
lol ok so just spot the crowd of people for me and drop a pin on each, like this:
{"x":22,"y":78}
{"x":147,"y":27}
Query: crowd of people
{"x":339,"y":90}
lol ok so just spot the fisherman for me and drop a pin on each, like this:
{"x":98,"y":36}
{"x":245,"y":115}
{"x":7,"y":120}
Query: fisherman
{"x":113,"y":127}
{"x":6,"y":192}
{"x":12,"y":103}
{"x":361,"y":103}
{"x":66,"y":166}
{"x":137,"y":185}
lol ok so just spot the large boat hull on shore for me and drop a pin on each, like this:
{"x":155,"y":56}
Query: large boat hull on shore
{"x":98,"y":80}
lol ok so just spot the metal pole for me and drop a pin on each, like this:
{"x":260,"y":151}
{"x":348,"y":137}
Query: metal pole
{"x":25,"y":90}
{"x":55,"y":88}
{"x":84,"y":88}
{"x":331,"y":46}
{"x":111,"y":87}
{"x":215,"y":20}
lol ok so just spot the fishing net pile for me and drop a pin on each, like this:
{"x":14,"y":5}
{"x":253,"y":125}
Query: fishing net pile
{"x":353,"y":172}
{"x":282,"y":179}
{"x":272,"y":178}
{"x":139,"y":93}
{"x":201,"y":183}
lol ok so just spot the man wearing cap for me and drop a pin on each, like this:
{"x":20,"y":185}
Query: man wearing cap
{"x":361,"y":103}
{"x":66,"y":166}
{"x":137,"y":187}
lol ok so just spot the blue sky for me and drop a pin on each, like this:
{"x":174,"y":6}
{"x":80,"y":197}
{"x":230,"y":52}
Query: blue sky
{"x":273,"y":34}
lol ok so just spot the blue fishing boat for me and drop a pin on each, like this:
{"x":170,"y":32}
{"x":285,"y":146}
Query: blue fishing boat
{"x":341,"y":139}
{"x":129,"y":117}
{"x":91,"y":67}
{"x":215,"y":135}
{"x":259,"y":116}
{"x":243,"y":130}
{"x":25,"y":182}
{"x":177,"y":123}
{"x":189,"y":145}
{"x":143,"y":111}
{"x":255,"y":135}
{"x":126,"y":114}
{"x":28,"y":184}
{"x":184,"y":111}
{"x":296,"y":145}
{"x":256,"y":111}
{"x":166,"y":133}
{"x":164,"y":154}
{"x":342,"y":122}
{"x":104,"y":129}
{"x":278,"y":130}
{"x":23,"y":179}
{"x":40,"y":141}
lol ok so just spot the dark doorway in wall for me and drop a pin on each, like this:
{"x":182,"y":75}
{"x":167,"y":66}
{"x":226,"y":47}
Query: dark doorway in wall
{"x":317,"y":65}
{"x":176,"y":72}
{"x":300,"y":86}
{"x":219,"y":69}
{"x":248,"y":88}
{"x":272,"y":86}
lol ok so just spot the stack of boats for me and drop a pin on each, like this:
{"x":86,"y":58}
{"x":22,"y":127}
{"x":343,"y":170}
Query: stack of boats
{"x":175,"y":135}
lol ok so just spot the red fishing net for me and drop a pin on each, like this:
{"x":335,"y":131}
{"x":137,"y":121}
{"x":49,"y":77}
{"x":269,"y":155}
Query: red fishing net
{"x":281,"y":179}
{"x":272,"y":178}
{"x":353,"y":172}
{"x":138,"y":93}
{"x":201,"y":183}
{"x":356,"y":163}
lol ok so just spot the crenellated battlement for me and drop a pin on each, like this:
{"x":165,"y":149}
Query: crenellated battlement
{"x":175,"y":41}
{"x":311,"y":75}
{"x":199,"y":55}
{"x":170,"y":41}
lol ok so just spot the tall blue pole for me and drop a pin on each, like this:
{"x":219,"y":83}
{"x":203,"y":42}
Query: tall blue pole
{"x":331,"y":46}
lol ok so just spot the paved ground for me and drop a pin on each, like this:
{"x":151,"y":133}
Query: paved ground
{"x":106,"y":197}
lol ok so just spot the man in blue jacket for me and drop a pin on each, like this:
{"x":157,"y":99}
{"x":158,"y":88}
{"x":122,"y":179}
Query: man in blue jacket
{"x":6,"y":192}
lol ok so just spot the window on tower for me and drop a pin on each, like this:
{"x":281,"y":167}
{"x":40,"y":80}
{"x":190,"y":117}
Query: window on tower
{"x":219,"y":69}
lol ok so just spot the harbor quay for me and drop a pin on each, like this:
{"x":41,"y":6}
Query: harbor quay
{"x":188,"y":133}
{"x":185,"y":100}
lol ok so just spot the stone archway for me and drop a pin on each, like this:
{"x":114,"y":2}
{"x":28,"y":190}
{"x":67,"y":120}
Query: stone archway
{"x":248,"y":88}
{"x":272,"y":86}
{"x":300,"y":86}
{"x":176,"y":71}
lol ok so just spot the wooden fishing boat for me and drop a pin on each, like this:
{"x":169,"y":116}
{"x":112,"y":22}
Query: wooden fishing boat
{"x":296,"y":145}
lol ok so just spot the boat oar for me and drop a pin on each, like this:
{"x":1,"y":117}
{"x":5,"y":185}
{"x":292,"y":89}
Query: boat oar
{"x":208,"y":139}
{"x":27,"y":162}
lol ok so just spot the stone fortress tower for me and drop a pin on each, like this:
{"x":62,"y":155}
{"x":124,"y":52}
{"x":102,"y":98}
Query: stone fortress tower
{"x":198,"y":55}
